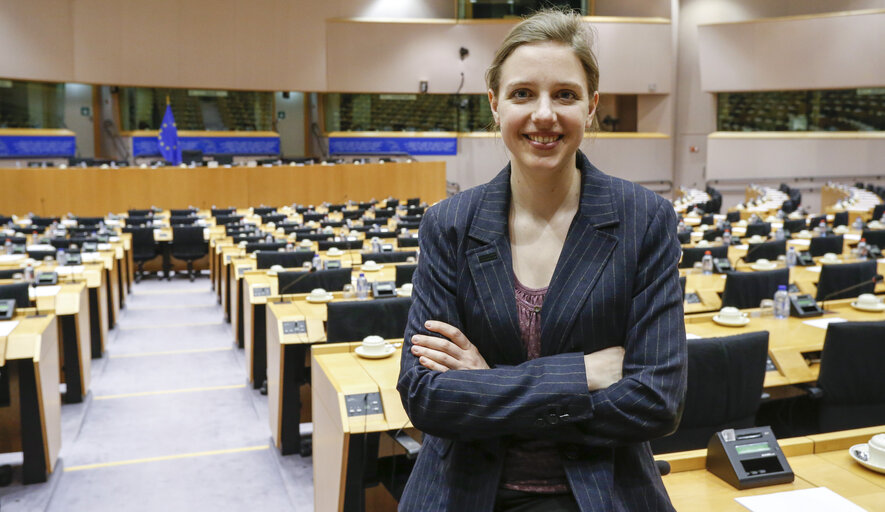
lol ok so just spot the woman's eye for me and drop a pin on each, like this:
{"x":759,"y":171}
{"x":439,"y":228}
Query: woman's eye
{"x":520,"y":94}
{"x":568,"y":95}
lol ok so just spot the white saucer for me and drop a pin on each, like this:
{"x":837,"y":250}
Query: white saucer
{"x":740,"y":323}
{"x":760,"y":267}
{"x":829,"y":262}
{"x":804,"y":236}
{"x":372,"y":269}
{"x":859,"y":453}
{"x":320,"y":300}
{"x":388,"y":351}
{"x":875,"y":309}
{"x":401,"y":293}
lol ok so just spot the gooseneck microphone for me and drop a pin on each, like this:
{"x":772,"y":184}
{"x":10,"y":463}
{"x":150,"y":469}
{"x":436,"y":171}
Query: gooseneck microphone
{"x":873,"y":280}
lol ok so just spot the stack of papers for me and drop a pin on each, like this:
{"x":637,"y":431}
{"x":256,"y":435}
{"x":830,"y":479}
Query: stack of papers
{"x":7,"y":327}
{"x":817,"y":499}
{"x":822,"y":323}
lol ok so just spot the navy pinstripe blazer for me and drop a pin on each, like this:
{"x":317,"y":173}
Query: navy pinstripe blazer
{"x":616,"y":283}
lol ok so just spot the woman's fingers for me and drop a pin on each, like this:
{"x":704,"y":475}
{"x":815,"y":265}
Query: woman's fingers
{"x":449,"y":331}
{"x":432,"y":342}
{"x":438,"y":358}
{"x":431,"y":364}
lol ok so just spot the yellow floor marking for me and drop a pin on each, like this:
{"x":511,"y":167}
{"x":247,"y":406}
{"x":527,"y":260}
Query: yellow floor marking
{"x":169,"y":392}
{"x":166,"y":457}
{"x":164,"y":326}
{"x":171,"y":352}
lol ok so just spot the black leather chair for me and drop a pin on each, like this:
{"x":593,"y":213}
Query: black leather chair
{"x":711,"y":235}
{"x":19,"y":292}
{"x":265,"y":246}
{"x":344,"y":245}
{"x":708,"y":220}
{"x":267,"y":259}
{"x":413,"y":201}
{"x":10,"y":273}
{"x":352,"y":214}
{"x":182,"y":220}
{"x":303,"y":282}
{"x":222,"y":220}
{"x":821,"y":245}
{"x":249,"y":239}
{"x":850,"y":379}
{"x":389,"y":257}
{"x":188,"y":245}
{"x":768,"y":250}
{"x":407,"y":225}
{"x":44,"y":222}
{"x":139,"y":212}
{"x":381,"y":234}
{"x":384,"y":213}
{"x":89,"y":221}
{"x":41,"y":255}
{"x":733,"y":216}
{"x":138,"y":220}
{"x":795,"y":225}
{"x":60,"y":243}
{"x":747,"y":289}
{"x":406,"y":241}
{"x":183,"y":212}
{"x":332,"y":223}
{"x":835,"y":277}
{"x":874,"y":237}
{"x":274,"y":217}
{"x":223,"y":212}
{"x":684,"y":237}
{"x":725,"y":379}
{"x":878,"y":211}
{"x":354,"y":320}
{"x":144,"y":248}
{"x":759,"y":228}
{"x":312,"y":216}
{"x":815,"y":221}
{"x":691,"y":255}
{"x":261,"y":211}
{"x":404,"y":273}
{"x":840,"y":219}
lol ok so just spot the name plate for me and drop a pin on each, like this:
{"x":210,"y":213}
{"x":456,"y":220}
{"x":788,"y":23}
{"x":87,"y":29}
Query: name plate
{"x":261,"y":291}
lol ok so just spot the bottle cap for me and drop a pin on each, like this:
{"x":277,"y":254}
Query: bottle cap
{"x":782,"y":287}
{"x":707,"y":252}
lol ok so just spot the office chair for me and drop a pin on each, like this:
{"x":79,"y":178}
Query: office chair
{"x":139,"y":213}
{"x":380,"y":234}
{"x":413,"y":201}
{"x":218,"y":212}
{"x":733,"y":216}
{"x":878,"y":211}
{"x":4,"y":220}
{"x":182,"y":221}
{"x":352,"y":214}
{"x":850,"y":379}
{"x":725,"y":379}
{"x":264,"y":246}
{"x":274,"y":217}
{"x":41,"y":255}
{"x":815,"y":221}
{"x":684,"y":237}
{"x":835,"y":277}
{"x":344,"y":245}
{"x":404,"y":273}
{"x":795,"y":225}
{"x":747,"y":289}
{"x":19,"y":292}
{"x":759,"y":228}
{"x":312,"y":217}
{"x":821,"y":245}
{"x":389,"y":257}
{"x":186,"y":212}
{"x":89,"y":221}
{"x":188,"y":245}
{"x":10,"y":273}
{"x":44,"y":222}
{"x":691,"y":255}
{"x":249,"y":238}
{"x":222,"y":220}
{"x":384,"y":213}
{"x":711,"y":235}
{"x":60,"y":243}
{"x":708,"y":220}
{"x":874,"y":237}
{"x":768,"y":250}
{"x":263,"y":211}
{"x":408,"y":225}
{"x":410,"y":217}
{"x":267,"y":259}
{"x":415,"y":210}
{"x":303,"y":282}
{"x":331,"y":223}
{"x":336,"y":207}
{"x":354,"y":320}
{"x":137,"y":221}
{"x":406,"y":241}
{"x":840,"y":219}
{"x":144,"y":248}
{"x":315,"y":237}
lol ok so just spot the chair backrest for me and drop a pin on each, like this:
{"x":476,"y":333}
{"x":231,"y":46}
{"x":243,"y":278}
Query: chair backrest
{"x":312,"y":216}
{"x":182,"y":220}
{"x":221,"y":220}
{"x":380,"y":234}
{"x":389,"y":257}
{"x":875,"y":237}
{"x":17,"y":291}
{"x":404,"y":273}
{"x":406,"y":241}
{"x":759,"y":228}
{"x":184,"y":212}
{"x":134,"y":220}
{"x":768,"y":250}
{"x":273,"y":217}
{"x":267,"y":259}
{"x":352,"y":214}
{"x":384,"y":213}
{"x":303,"y":282}
{"x":835,"y":277}
{"x":747,"y":289}
{"x":711,"y":235}
{"x":331,"y":223}
{"x":413,"y":201}
{"x":10,"y":273}
{"x":725,"y":378}
{"x":264,"y":210}
{"x":851,"y":376}
{"x":188,"y":242}
{"x":344,"y":245}
{"x":840,"y":219}
{"x":684,"y":237}
{"x":733,"y":216}
{"x":313,"y":237}
{"x":708,"y":220}
{"x":878,"y":211}
{"x":60,"y":243}
{"x":249,"y":238}
{"x":41,"y":255}
{"x":795,"y":225}
{"x":690,"y":255}
{"x":821,"y":245}
{"x":264,"y":246}
{"x":143,"y":244}
{"x":354,"y":320}
{"x":218,"y":212}
{"x":89,"y":221}
{"x":407,"y":225}
{"x":815,"y":221}
{"x":138,"y":213}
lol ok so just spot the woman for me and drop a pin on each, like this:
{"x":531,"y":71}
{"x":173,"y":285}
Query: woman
{"x":545,"y":345}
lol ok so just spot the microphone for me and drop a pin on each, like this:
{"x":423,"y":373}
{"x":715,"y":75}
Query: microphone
{"x":873,"y":280}
{"x":750,"y":251}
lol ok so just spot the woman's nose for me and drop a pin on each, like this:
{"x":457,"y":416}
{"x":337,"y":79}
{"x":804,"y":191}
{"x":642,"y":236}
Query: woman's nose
{"x":543,"y":113}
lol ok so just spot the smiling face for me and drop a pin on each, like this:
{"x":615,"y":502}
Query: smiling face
{"x":543,"y":106}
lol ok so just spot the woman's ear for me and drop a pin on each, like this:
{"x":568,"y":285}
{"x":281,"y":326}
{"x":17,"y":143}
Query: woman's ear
{"x":493,"y":104}
{"x":593,"y":103}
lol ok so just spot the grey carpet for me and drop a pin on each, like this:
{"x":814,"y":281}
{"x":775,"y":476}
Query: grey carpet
{"x":207,"y":444}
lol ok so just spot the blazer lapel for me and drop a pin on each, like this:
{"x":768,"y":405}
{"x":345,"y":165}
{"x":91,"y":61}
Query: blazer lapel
{"x":491,"y":266}
{"x":587,"y":249}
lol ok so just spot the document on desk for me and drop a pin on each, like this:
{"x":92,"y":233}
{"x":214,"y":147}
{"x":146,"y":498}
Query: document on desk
{"x":801,"y":242}
{"x":7,"y":258}
{"x":816,"y":499}
{"x":813,"y":269}
{"x":7,"y":327}
{"x":822,"y":323}
{"x":851,"y":237}
{"x":68,"y":270}
{"x":46,"y":291}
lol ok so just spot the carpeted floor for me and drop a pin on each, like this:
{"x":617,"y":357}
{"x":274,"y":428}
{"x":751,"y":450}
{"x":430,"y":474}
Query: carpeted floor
{"x":170,"y":423}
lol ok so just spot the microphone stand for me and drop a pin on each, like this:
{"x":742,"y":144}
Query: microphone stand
{"x":875,"y":279}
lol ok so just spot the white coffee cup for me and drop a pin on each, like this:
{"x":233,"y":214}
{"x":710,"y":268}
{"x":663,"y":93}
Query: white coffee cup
{"x":406,"y":288}
{"x":762,"y":262}
{"x":373,"y":345}
{"x":333,"y":251}
{"x":306,"y":243}
{"x":730,"y":314}
{"x":830,"y":256}
{"x":868,"y":300}
{"x":876,"y":448}
{"x":370,"y":264}
{"x":318,"y":293}
{"x":277,"y":268}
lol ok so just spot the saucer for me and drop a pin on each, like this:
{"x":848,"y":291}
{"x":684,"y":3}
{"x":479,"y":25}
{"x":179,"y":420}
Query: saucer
{"x":804,"y":236}
{"x":870,"y":309}
{"x":770,"y":266}
{"x":388,"y":351}
{"x":320,"y":300}
{"x":376,"y":268}
{"x":400,"y":293}
{"x":860,"y":453}
{"x":829,"y":262}
{"x":739,"y":323}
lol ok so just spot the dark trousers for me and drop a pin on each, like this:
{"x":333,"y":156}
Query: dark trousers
{"x":519,"y":501}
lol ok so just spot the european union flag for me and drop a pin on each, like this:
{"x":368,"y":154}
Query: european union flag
{"x":168,"y":138}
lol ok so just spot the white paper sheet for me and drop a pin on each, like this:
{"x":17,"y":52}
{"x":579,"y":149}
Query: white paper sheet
{"x":817,"y":499}
{"x":813,"y":269}
{"x":822,"y":323}
{"x":46,"y":291}
{"x":7,"y":327}
{"x":41,"y":247}
{"x":851,"y":236}
{"x":800,"y":242}
{"x":88,"y":257}
{"x":742,"y":247}
{"x":6,"y":258}
{"x":68,"y":270}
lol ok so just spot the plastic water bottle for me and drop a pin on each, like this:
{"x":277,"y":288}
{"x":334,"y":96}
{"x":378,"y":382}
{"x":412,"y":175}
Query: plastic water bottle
{"x":269,"y":239}
{"x":681,"y":226}
{"x":779,"y":234}
{"x":781,"y":302}
{"x":60,"y":257}
{"x":290,"y":247}
{"x":29,"y":273}
{"x":362,"y":287}
{"x":792,"y":256}
{"x":823,"y":228}
{"x":858,"y":224}
{"x":862,"y":251}
{"x":726,"y":237}
{"x":8,"y":246}
{"x":707,"y":263}
{"x":316,"y":262}
{"x":376,"y":244}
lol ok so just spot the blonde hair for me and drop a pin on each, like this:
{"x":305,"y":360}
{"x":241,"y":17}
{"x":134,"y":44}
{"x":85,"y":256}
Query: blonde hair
{"x":560,"y":26}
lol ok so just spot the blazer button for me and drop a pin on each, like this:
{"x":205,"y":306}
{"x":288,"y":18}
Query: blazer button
{"x":540,"y":422}
{"x":553,"y":418}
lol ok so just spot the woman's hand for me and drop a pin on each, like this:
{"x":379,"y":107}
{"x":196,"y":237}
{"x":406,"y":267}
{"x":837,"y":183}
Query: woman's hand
{"x":604,"y":367}
{"x":454,"y":352}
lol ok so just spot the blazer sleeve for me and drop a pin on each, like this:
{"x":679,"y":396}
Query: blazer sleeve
{"x":478,"y":404}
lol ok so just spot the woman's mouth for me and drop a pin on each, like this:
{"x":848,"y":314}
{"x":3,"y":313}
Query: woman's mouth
{"x":543,"y":141}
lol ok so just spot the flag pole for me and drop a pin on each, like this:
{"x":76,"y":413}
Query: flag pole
{"x":167,"y":100}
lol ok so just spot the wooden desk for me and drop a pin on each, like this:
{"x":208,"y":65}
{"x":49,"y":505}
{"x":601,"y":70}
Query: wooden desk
{"x":792,"y":345}
{"x":342,"y":438}
{"x":31,"y":423}
{"x":817,"y":461}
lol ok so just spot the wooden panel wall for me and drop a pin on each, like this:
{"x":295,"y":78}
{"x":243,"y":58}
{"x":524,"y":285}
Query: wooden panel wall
{"x":99,"y":191}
